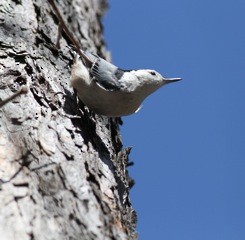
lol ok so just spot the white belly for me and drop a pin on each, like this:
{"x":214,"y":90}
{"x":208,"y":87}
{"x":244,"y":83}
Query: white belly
{"x":109,"y":103}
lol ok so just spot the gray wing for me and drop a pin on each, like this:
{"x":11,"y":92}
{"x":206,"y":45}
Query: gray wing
{"x":106,"y":74}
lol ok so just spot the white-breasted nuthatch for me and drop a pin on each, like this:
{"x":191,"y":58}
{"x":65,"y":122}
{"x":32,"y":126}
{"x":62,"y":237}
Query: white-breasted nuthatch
{"x":111,"y":91}
{"x":105,"y":88}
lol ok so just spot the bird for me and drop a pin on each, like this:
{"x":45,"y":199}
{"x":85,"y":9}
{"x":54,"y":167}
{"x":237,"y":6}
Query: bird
{"x":109,"y":90}
{"x":105,"y":88}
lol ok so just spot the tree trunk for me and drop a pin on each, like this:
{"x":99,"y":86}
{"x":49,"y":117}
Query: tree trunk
{"x":62,"y":168}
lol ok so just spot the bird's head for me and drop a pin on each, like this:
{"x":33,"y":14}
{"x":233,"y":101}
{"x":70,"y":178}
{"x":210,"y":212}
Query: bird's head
{"x":153,"y":78}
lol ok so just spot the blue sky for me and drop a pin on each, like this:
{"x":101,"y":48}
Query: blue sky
{"x":189,"y":138}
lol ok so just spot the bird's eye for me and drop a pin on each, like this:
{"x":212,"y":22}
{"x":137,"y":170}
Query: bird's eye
{"x":153,"y":73}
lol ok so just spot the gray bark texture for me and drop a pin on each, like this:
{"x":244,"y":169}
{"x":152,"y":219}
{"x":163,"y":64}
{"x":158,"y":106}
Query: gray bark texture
{"x":63,"y":170}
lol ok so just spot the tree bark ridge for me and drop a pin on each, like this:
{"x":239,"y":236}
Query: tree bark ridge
{"x":63,"y":171}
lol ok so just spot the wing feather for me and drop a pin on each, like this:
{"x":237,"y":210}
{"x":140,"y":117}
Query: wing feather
{"x":106,"y":74}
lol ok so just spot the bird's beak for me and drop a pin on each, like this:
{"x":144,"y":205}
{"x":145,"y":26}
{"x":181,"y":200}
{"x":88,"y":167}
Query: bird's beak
{"x":170,"y":80}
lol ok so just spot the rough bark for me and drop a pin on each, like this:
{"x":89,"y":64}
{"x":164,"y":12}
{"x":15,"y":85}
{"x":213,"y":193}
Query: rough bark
{"x":62,"y":168}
